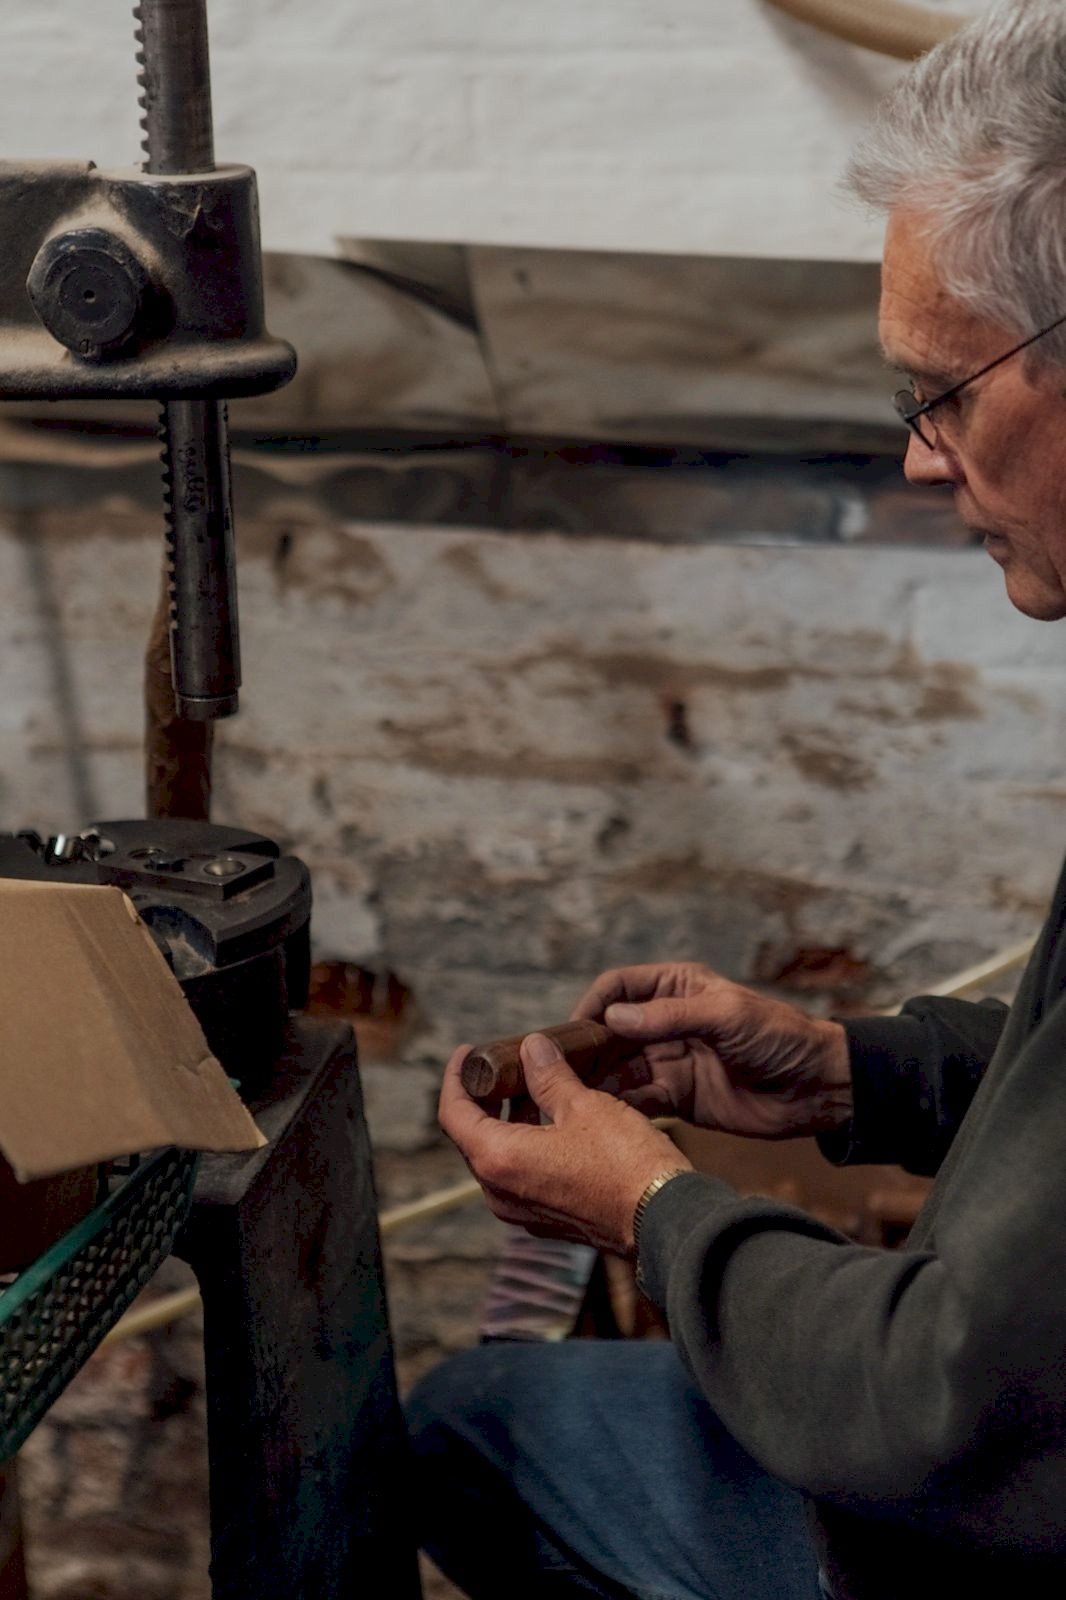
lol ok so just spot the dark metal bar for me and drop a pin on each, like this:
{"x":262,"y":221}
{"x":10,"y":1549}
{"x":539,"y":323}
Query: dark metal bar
{"x":310,"y":1478}
{"x":12,"y":1556}
{"x":204,"y":647}
{"x":175,"y":80}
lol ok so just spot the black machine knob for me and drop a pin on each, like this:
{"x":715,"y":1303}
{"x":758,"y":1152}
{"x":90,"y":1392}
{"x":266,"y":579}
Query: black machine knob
{"x":90,"y":291}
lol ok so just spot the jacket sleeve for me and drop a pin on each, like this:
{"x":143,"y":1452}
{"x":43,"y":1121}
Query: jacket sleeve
{"x":913,"y":1078}
{"x":913,"y":1383}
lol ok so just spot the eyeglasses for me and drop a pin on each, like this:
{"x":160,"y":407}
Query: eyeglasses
{"x":912,"y":411}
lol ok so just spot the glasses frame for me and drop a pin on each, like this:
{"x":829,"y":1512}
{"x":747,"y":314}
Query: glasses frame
{"x":911,"y":413}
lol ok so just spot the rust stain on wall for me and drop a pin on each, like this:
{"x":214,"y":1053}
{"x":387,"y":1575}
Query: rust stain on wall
{"x":947,"y":692}
{"x":1013,"y":897}
{"x":871,"y":710}
{"x":114,"y":516}
{"x":328,"y":561}
{"x":466,"y":562}
{"x":526,"y":764}
{"x":817,"y":969}
{"x":938,"y":691}
{"x":827,"y":763}
{"x":379,"y":1005}
{"x":1041,"y":791}
{"x":668,"y":874}
{"x":664,"y":676}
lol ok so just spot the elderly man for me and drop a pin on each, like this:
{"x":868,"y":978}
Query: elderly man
{"x":827,"y":1417}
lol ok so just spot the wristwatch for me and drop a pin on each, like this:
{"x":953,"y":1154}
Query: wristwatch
{"x":642,"y":1204}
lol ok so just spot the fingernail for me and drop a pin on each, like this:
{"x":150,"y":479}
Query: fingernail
{"x":539,"y":1051}
{"x":625,"y":1016}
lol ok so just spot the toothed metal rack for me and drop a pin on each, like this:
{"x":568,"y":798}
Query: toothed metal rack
{"x":147,"y":282}
{"x":178,"y":137}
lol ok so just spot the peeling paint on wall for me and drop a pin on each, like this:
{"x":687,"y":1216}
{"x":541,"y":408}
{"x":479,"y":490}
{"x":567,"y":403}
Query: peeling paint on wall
{"x":513,"y":760}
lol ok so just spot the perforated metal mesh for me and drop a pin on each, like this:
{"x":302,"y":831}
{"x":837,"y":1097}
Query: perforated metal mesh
{"x":56,"y":1312}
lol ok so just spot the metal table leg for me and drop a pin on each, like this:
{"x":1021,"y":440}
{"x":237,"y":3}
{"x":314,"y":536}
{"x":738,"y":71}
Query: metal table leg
{"x":305,"y":1439}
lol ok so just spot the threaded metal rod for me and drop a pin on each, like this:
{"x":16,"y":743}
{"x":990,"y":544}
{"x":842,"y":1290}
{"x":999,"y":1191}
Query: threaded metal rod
{"x":204,"y":647}
{"x":175,"y":81}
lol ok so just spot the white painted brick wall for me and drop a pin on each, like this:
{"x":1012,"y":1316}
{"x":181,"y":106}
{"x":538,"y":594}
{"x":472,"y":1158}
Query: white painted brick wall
{"x":466,"y":736}
{"x":674,"y":125}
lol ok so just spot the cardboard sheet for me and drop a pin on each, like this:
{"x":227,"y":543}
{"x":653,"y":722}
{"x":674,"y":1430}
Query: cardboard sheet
{"x":100,"y":1055}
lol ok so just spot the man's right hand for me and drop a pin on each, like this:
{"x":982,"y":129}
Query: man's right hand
{"x":721,"y":1056}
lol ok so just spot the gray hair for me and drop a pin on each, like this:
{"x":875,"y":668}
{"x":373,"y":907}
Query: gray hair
{"x":974,"y":139}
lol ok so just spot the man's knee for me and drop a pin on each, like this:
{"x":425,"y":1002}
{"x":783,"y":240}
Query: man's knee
{"x":437,"y":1393}
{"x":456,"y":1394}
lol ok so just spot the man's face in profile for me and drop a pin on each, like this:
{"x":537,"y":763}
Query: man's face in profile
{"x":1001,"y":443}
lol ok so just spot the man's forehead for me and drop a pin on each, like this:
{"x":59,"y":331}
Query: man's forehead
{"x":924,"y":329}
{"x":927,"y":363}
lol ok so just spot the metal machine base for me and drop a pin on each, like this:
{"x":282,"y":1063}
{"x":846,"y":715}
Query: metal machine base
{"x":305,"y":1438}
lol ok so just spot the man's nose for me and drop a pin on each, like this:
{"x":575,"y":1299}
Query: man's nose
{"x":936,"y":466}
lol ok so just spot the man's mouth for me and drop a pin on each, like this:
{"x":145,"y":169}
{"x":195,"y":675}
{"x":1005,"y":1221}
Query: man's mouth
{"x":980,"y":533}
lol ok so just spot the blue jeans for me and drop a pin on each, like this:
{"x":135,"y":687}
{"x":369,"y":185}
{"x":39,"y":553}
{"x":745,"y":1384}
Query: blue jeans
{"x":596,"y":1468}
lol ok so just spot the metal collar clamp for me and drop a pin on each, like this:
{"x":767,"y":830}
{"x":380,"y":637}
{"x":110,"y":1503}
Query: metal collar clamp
{"x":127,"y":283}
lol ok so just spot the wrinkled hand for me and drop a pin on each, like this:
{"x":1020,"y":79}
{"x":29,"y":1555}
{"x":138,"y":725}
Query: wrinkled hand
{"x":579,"y":1177}
{"x":721,"y":1056}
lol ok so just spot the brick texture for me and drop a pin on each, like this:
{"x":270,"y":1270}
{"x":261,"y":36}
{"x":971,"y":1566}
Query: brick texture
{"x":511,"y":759}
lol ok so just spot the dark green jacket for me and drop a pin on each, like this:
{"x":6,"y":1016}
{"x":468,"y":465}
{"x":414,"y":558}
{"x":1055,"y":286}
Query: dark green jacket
{"x":918,"y":1396}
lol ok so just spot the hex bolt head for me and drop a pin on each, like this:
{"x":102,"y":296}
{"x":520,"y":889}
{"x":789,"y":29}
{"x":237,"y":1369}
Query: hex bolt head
{"x":89,"y":290}
{"x":224,"y":867}
{"x":164,"y":861}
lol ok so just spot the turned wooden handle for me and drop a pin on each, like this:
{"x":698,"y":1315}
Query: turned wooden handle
{"x":493,"y":1072}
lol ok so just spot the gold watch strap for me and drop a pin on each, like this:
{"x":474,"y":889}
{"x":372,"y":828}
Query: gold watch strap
{"x":646,"y":1198}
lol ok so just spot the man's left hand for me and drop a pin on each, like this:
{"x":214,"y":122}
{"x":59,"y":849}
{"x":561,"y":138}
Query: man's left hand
{"x":578,"y":1177}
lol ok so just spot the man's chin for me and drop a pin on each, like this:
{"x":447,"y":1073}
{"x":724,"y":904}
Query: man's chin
{"x":1036,"y":594}
{"x":1029,"y":595}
